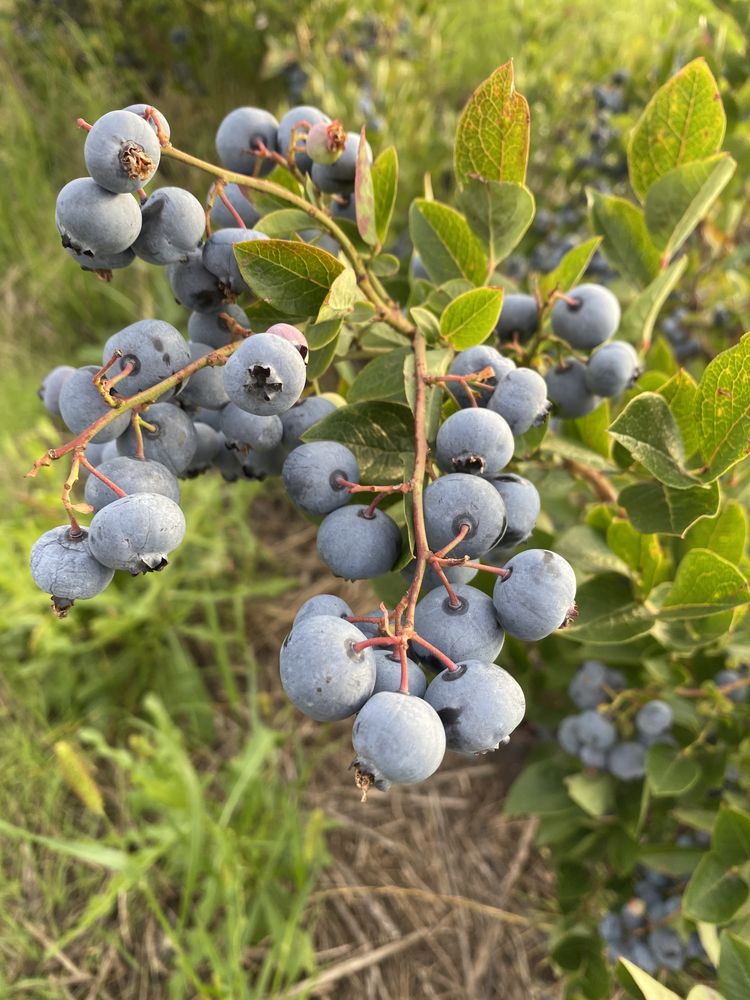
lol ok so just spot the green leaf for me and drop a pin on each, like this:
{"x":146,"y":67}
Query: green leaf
{"x":723,"y":410}
{"x":669,"y":771}
{"x":285,"y":222}
{"x":683,"y":121}
{"x":680,"y":392}
{"x":570,"y":269}
{"x":381,"y":435}
{"x":627,"y":243}
{"x":679,"y":200}
{"x":537,"y":789}
{"x":471,"y":318}
{"x":364,"y":194}
{"x":734,"y":967}
{"x":594,"y":793}
{"x":714,"y":893}
{"x":607,"y":612}
{"x":709,"y":938}
{"x":637,"y":323}
{"x":446,"y":244}
{"x":381,"y":378}
{"x":651,"y":988}
{"x":704,"y":584}
{"x":320,"y":334}
{"x":704,"y":993}
{"x":653,"y":507}
{"x":88,"y":852}
{"x":321,"y":359}
{"x":294,"y":277}
{"x":499,"y":212}
{"x":650,"y":433}
{"x":385,"y":265}
{"x":730,"y":840}
{"x":340,"y":297}
{"x":427,"y":323}
{"x":589,"y":552}
{"x":492,"y":138}
{"x":384,"y":174}
{"x":726,"y":535}
{"x":593,"y":429}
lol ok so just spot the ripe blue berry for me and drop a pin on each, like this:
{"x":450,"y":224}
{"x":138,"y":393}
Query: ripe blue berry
{"x":210,"y":327}
{"x":173,"y":441}
{"x":265,"y":375}
{"x":301,"y":417}
{"x":63,"y":565}
{"x":172,"y":224}
{"x":243,"y":430}
{"x":567,"y":388}
{"x":222,"y":218}
{"x":591,"y":317}
{"x":194,"y":287}
{"x":537,"y":597}
{"x":137,"y":532}
{"x":92,"y":221}
{"x":121,"y":151}
{"x":521,"y":398}
{"x":52,"y":383}
{"x":132,"y":475}
{"x":154,"y":348}
{"x":312,"y":472}
{"x":456,"y":500}
{"x":519,"y":317}
{"x":219,"y":258}
{"x":522,"y":506}
{"x":356,"y":545}
{"x":627,"y":761}
{"x":472,"y":360}
{"x":397,"y":739}
{"x":479,"y":705}
{"x":238,"y":138}
{"x":323,"y":604}
{"x":468,"y":630}
{"x":81,"y":403}
{"x":612,"y":369}
{"x":338,"y":177}
{"x":322,"y":673}
{"x":388,"y":673}
{"x":475,"y":441}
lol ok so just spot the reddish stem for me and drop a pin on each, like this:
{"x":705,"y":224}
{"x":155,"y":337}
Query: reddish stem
{"x":106,"y":366}
{"x":435,"y":564}
{"x":445,"y":660}
{"x":229,"y":206}
{"x":101,"y":477}
{"x":82,"y":123}
{"x":358,"y":488}
{"x":404,"y":685}
{"x":380,"y":640}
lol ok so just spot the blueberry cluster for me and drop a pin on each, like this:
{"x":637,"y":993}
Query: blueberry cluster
{"x":586,"y":318}
{"x":642,"y":929}
{"x":336,"y":664}
{"x":594,"y":737}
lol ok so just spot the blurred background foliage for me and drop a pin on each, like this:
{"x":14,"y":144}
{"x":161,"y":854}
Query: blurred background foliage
{"x":192,"y":831}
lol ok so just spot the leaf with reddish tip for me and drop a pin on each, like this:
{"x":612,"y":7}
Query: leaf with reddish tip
{"x":364,"y":194}
{"x":492,"y":138}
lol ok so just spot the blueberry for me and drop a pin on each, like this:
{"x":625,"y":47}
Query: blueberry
{"x":567,"y":388}
{"x":121,"y":151}
{"x":173,"y":442}
{"x":194,"y":287}
{"x":644,"y":957}
{"x":155,"y":349}
{"x":521,"y":398}
{"x":259,"y":464}
{"x":219,"y":258}
{"x":474,"y":359}
{"x":311,"y":474}
{"x":323,"y":604}
{"x":586,"y":690}
{"x":596,"y":731}
{"x":479,"y":704}
{"x":568,"y":735}
{"x":291,"y":122}
{"x":81,"y":403}
{"x":243,"y":430}
{"x":592,"y":317}
{"x":239,"y":135}
{"x":103,"y":262}
{"x":322,"y":673}
{"x":522,"y":506}
{"x":265,"y":375}
{"x":222,"y":218}
{"x":467,"y":631}
{"x":137,"y":532}
{"x":92,"y":221}
{"x":667,"y":948}
{"x":475,"y":441}
{"x":358,"y":546}
{"x":209,"y":443}
{"x":397,"y":739}
{"x":209,"y":328}
{"x":228,"y":462}
{"x":455,"y":500}
{"x":612,"y":369}
{"x":140,"y":109}
{"x":205,"y":387}
{"x":172,"y":224}
{"x":132,"y":475}
{"x":338,"y":177}
{"x":52,"y":383}
{"x":593,"y":757}
{"x":388,"y":673}
{"x":654,"y":718}
{"x":63,"y":565}
{"x":538,"y":595}
{"x":302,"y":416}
{"x":519,"y":317}
{"x":627,"y":761}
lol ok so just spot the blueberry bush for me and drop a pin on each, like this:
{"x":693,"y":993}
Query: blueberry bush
{"x":551,"y":510}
